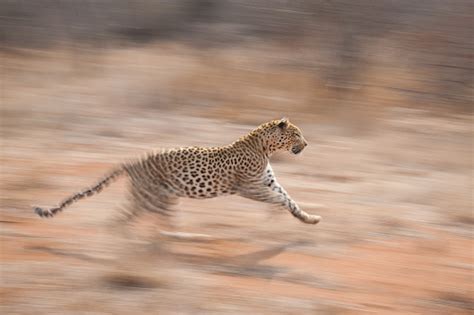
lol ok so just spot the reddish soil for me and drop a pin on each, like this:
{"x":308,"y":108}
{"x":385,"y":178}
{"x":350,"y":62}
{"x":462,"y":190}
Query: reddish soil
{"x":395,"y":196}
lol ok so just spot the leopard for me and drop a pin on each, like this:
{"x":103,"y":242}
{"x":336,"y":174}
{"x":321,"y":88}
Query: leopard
{"x":159,"y":179}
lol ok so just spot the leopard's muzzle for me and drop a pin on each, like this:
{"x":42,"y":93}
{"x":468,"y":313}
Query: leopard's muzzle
{"x":298,"y":148}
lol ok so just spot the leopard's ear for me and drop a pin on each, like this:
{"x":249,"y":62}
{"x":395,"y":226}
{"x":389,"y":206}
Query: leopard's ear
{"x":283,"y":123}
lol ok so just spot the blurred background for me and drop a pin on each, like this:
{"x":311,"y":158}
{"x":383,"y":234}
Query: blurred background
{"x":382,"y":91}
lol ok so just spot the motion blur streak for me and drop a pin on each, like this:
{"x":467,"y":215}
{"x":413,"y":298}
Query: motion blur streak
{"x":382,"y":91}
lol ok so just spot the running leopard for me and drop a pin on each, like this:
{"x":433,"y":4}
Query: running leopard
{"x":242,"y":167}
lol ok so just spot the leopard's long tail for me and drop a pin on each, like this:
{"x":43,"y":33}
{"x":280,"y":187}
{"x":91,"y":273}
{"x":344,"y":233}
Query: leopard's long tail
{"x":111,"y":177}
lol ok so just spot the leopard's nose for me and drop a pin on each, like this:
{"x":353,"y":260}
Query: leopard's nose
{"x":305,"y":143}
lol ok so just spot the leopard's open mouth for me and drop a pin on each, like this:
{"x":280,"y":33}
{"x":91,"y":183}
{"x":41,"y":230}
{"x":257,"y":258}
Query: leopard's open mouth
{"x":296,"y":150}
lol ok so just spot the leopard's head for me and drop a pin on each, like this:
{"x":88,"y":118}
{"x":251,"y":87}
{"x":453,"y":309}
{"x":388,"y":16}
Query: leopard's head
{"x":283,"y":135}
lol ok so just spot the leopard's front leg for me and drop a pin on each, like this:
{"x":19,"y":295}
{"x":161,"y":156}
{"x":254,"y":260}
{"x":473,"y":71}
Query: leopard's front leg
{"x":269,"y":190}
{"x":285,"y":200}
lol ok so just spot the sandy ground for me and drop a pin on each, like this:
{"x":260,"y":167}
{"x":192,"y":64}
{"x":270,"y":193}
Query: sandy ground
{"x":396,"y":235}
